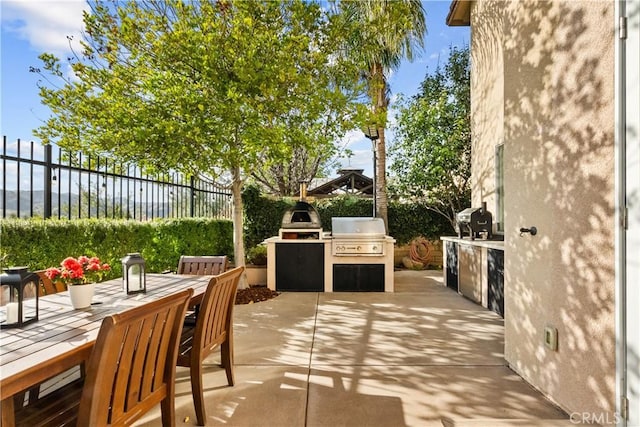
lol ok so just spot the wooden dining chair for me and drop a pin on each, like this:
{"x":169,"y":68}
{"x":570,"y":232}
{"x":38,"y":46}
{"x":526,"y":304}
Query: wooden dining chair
{"x":131,"y":369}
{"x":203,"y":265}
{"x":47,"y":286}
{"x":213,"y":328}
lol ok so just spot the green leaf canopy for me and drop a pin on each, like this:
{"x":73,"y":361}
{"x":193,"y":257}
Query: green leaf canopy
{"x":201,"y":86}
{"x":204,"y":86}
{"x":432,"y":152}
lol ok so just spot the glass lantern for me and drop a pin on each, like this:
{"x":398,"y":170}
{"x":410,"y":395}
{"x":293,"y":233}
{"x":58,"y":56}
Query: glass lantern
{"x":134,"y":278}
{"x":18,"y":297}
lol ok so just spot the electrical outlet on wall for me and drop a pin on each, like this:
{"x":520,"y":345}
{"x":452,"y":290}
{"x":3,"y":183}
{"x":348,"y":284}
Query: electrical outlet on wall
{"x":551,"y":337}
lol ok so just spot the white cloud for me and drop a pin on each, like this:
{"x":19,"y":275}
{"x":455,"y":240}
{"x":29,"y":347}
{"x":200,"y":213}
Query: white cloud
{"x":362,"y":148}
{"x":356,"y":142}
{"x":25,"y":149}
{"x":45,"y":24}
{"x":391,"y":73}
{"x":352,"y":137}
{"x":12,"y":176}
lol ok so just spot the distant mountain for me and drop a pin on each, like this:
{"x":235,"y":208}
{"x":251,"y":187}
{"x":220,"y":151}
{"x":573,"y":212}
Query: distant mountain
{"x":25,"y":203}
{"x":149,"y":210}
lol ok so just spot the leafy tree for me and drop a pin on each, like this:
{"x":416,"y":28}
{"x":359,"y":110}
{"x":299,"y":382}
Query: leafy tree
{"x":388,"y":32}
{"x":208,"y":87}
{"x":431,"y":157}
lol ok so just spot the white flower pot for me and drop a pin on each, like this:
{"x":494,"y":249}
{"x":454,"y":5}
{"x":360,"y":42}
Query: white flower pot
{"x":81,"y":295}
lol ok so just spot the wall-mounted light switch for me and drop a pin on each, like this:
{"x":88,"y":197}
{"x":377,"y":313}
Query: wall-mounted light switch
{"x":551,"y":337}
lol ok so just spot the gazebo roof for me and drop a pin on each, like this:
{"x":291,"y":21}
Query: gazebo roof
{"x":350,"y":181}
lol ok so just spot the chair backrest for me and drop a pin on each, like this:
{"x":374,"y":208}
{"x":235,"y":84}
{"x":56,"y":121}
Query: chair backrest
{"x":132,"y":366}
{"x":47,"y":286}
{"x":202,"y":265}
{"x":216,"y":313}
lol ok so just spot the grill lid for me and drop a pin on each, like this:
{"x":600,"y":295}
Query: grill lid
{"x":467,"y":214}
{"x":357,"y":227}
{"x":475,"y":221}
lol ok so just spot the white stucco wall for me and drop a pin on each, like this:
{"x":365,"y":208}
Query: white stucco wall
{"x":543,"y":83}
{"x":487,"y":101}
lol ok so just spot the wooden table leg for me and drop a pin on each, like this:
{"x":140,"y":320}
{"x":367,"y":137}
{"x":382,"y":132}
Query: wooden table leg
{"x":8,"y":414}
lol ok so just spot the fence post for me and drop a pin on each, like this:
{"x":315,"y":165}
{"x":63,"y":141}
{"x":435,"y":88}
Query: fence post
{"x":47,"y":181}
{"x":192,"y":197}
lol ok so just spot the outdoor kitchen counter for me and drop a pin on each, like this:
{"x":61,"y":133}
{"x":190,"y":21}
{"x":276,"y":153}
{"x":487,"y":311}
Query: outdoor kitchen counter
{"x":475,"y":269}
{"x":307,"y":255}
{"x":493,"y":244}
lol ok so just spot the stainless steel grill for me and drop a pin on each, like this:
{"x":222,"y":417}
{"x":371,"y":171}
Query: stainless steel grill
{"x":357,"y":236}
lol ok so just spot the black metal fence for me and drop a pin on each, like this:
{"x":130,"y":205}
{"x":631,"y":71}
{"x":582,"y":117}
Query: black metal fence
{"x":55,"y":184}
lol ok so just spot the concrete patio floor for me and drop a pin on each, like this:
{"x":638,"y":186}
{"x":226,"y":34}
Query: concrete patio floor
{"x":421,"y":356}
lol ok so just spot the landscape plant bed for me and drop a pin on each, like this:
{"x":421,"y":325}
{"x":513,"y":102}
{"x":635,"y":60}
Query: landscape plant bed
{"x":255,"y":293}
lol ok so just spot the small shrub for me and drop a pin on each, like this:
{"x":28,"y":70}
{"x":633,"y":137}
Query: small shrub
{"x":257,"y":255}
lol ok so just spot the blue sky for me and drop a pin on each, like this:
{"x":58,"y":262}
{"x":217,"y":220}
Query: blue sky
{"x":31,"y":27}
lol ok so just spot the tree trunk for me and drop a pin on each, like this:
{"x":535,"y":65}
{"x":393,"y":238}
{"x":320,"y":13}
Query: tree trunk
{"x":381,"y":180}
{"x":380,"y":110}
{"x":238,"y":237}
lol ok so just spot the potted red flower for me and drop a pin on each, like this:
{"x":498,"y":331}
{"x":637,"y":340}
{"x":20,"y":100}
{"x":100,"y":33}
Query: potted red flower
{"x":79,"y":275}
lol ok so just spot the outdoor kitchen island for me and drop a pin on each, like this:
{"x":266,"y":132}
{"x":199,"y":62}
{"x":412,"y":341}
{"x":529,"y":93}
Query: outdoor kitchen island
{"x":356,"y":257}
{"x":475,"y":269}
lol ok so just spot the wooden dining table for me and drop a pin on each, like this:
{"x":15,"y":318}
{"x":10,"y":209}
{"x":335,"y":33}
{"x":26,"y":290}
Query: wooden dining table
{"x":63,"y":337}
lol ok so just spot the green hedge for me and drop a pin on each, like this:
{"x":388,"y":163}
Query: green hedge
{"x":342,"y":206}
{"x":263,"y":216}
{"x":40,"y":244}
{"x":408,"y":221}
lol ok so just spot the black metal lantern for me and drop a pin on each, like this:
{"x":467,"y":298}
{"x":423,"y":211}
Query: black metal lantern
{"x":19,"y":297}
{"x":134,"y":277}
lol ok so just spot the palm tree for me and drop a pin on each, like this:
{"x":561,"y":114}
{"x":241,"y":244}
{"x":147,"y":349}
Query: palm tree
{"x":388,"y":31}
